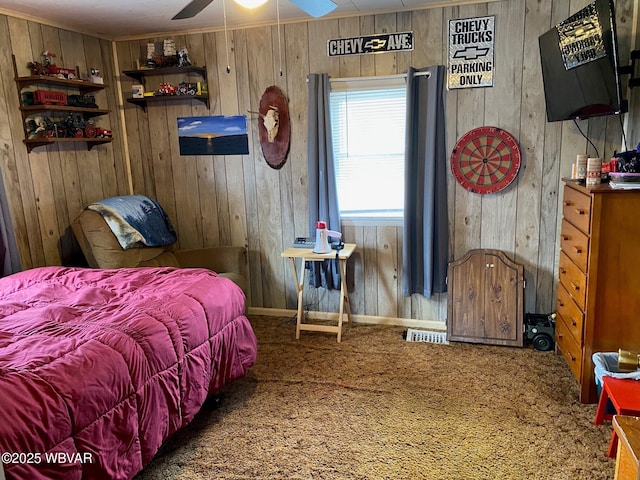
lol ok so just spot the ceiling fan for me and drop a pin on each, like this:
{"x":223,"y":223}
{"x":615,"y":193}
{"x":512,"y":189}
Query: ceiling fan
{"x":315,"y":8}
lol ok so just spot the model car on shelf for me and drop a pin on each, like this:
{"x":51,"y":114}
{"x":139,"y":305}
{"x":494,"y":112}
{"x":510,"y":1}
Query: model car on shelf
{"x":104,"y":133}
{"x":85,"y":101}
{"x":167,"y":89}
{"x":51,"y":69}
{"x":185,"y":88}
{"x":78,"y":126}
{"x":74,"y":126}
{"x":49,"y":97}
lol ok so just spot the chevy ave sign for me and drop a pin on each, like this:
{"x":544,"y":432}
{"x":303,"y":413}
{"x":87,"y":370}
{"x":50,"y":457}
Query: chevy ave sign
{"x":386,"y":42}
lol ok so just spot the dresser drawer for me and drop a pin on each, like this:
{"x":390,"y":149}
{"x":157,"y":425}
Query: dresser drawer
{"x":574,"y":244}
{"x":569,"y":348}
{"x":571,"y":314}
{"x":573,"y":279}
{"x":576,"y":207}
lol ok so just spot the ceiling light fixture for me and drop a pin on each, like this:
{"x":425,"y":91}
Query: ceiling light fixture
{"x":250,"y":3}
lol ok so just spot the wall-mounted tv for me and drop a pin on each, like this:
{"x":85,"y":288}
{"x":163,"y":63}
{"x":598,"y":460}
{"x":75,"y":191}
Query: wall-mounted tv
{"x":580,"y":67}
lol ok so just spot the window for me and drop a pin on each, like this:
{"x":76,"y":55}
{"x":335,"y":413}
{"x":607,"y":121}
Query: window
{"x":368,"y":134}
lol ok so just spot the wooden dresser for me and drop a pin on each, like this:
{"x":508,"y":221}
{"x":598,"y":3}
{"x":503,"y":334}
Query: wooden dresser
{"x":599,"y":277}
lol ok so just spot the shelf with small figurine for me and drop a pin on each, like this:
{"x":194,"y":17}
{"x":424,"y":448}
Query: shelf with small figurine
{"x":168,"y":92}
{"x":39,"y":142}
{"x":52,"y":116}
{"x":82,"y":85}
{"x":42,"y":130}
{"x":169,"y":62}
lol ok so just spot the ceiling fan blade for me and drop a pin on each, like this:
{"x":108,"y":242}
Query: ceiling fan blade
{"x":315,"y":8}
{"x":192,"y":9}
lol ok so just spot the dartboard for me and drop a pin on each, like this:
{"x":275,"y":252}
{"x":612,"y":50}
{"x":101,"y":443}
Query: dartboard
{"x":486,"y":160}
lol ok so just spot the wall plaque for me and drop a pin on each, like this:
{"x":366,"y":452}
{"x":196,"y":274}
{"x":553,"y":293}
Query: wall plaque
{"x":471,"y":52}
{"x":581,"y":38}
{"x":384,"y":42}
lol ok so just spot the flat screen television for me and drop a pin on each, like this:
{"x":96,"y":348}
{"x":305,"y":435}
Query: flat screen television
{"x":580,"y":67}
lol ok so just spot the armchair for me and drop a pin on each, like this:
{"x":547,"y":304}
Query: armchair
{"x":101,"y":249}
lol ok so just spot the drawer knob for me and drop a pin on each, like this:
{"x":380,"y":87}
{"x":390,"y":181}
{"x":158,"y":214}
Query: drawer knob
{"x":580,"y":211}
{"x":566,"y":238}
{"x":575,"y":286}
{"x":578,"y":249}
{"x":563,"y":271}
{"x":574,"y":323}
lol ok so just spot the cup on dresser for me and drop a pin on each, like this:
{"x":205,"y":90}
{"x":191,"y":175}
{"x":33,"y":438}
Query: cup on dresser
{"x":581,"y":166}
{"x":594,"y":171}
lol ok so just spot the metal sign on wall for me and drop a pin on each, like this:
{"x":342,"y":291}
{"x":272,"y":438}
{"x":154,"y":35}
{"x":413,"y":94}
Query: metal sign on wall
{"x":384,"y":42}
{"x":581,"y":38}
{"x":471,"y":52}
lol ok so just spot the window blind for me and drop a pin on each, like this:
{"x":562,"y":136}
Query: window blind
{"x":368,"y":133}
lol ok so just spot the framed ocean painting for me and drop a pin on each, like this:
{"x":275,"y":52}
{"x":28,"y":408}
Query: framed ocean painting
{"x":213,"y":135}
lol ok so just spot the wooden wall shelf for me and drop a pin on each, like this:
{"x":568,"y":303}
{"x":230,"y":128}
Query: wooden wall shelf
{"x":142,"y":102}
{"x":88,"y":112}
{"x":81,"y":86}
{"x":140,"y":75}
{"x":39,"y":142}
{"x":147,"y":72}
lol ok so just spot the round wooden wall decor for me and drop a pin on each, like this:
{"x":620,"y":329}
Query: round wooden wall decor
{"x":276,"y":148}
{"x":486,"y":160}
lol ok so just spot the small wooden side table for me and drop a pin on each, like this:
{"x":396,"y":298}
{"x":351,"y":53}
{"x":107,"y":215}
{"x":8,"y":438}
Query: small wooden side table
{"x":628,"y":430}
{"x":306,"y":254}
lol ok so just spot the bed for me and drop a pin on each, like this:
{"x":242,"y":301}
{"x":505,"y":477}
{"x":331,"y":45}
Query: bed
{"x":99,"y":367}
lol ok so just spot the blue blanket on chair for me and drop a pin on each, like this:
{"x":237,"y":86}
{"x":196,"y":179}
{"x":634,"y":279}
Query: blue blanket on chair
{"x":136,"y":219}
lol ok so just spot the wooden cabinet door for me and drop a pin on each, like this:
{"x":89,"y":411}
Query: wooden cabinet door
{"x":466,"y":296}
{"x":503,"y":301}
{"x":486,"y":299}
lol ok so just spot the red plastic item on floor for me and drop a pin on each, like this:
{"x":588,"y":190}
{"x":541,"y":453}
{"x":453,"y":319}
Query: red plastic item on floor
{"x":625,"y":398}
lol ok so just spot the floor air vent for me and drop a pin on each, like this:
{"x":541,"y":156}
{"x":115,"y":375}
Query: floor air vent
{"x":413,"y":335}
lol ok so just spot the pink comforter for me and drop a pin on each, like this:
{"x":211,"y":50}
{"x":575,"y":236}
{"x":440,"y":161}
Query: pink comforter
{"x":99,"y":367}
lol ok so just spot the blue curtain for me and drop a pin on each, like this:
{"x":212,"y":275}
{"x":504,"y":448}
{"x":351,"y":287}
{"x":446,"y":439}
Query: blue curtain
{"x":8,"y":246}
{"x":323,"y":194}
{"x":426,"y":226}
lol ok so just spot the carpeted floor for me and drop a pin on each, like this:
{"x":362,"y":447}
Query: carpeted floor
{"x":377,"y":407}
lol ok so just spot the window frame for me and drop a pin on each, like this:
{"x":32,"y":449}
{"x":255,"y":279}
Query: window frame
{"x":340,"y":85}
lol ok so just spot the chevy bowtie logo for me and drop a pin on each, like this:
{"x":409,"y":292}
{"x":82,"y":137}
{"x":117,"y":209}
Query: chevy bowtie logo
{"x":471,"y":53}
{"x":375,"y":44}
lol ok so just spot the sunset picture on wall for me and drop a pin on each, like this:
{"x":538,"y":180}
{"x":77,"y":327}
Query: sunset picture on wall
{"x":213,"y":135}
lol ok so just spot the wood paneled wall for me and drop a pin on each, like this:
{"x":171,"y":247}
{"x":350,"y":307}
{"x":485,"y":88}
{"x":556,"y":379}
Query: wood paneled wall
{"x":48,"y":187}
{"x":240,"y":200}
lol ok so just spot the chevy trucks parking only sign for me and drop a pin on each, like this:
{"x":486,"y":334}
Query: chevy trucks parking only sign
{"x":384,"y":42}
{"x":471,"y":52}
{"x":581,"y":38}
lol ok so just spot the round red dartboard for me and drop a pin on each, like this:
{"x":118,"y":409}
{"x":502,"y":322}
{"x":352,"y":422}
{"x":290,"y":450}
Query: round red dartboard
{"x":486,"y":160}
